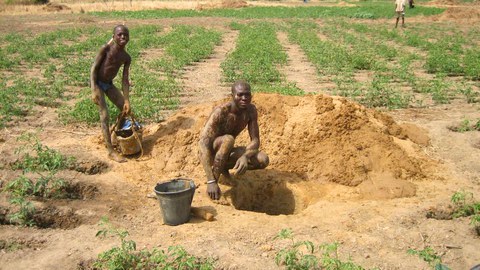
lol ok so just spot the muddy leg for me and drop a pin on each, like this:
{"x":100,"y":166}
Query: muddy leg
{"x":112,"y":154}
{"x":222,"y":146}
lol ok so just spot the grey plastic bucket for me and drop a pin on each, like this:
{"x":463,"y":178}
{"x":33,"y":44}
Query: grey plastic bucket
{"x":175,"y":197}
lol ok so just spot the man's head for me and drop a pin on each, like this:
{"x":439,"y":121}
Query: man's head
{"x":121,"y":35}
{"x":241,"y":94}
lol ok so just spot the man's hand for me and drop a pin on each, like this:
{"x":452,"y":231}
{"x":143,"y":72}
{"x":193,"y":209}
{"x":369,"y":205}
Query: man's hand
{"x":241,"y":166}
{"x":213,"y":191}
{"x":126,"y":108}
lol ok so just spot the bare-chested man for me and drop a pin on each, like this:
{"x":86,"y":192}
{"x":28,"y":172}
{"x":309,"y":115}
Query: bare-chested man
{"x":105,"y":68}
{"x":217,"y":140}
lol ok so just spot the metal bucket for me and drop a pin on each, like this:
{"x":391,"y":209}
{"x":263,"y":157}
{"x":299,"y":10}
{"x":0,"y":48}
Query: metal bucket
{"x":175,"y":197}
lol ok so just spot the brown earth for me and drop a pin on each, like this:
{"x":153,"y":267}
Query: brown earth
{"x":339,"y":173}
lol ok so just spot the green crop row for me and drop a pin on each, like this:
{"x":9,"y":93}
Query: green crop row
{"x":65,"y":57}
{"x":183,"y":46}
{"x":400,"y":68}
{"x":152,"y":93}
{"x":333,"y":59}
{"x":363,"y":10}
{"x":256,"y":59}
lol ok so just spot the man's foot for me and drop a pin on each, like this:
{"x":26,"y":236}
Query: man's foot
{"x":116,"y":157}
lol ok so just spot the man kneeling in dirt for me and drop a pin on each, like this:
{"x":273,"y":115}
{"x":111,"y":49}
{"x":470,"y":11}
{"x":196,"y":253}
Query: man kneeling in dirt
{"x":218,"y":153}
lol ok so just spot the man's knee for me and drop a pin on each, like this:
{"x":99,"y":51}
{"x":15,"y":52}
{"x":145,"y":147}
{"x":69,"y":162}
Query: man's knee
{"x":263,"y":160}
{"x":224,"y":142}
{"x":229,"y":140}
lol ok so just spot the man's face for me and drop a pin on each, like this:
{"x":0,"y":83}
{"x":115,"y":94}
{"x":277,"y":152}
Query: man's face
{"x":121,"y":36}
{"x":242,"y":97}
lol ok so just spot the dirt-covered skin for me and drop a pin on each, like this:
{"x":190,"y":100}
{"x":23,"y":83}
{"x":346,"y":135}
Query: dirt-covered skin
{"x":355,"y":176}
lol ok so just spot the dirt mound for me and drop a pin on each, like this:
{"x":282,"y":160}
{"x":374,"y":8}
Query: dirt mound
{"x":320,"y":138}
{"x":345,"y":4}
{"x":53,"y":7}
{"x":460,"y":13}
{"x":223,"y":4}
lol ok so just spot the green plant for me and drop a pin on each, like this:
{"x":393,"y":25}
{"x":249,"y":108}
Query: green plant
{"x":301,"y":255}
{"x":22,"y":186}
{"x":477,"y":125}
{"x":49,"y":186}
{"x":469,"y":93}
{"x":25,"y":211}
{"x":292,"y":257}
{"x":464,"y":126}
{"x":43,"y":157}
{"x":330,"y":259}
{"x":10,"y":246}
{"x":464,"y":204}
{"x":380,"y":94}
{"x":126,"y":255}
{"x":256,"y":56}
{"x":430,"y":256}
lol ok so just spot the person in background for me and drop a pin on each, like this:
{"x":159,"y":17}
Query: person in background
{"x":400,"y":12}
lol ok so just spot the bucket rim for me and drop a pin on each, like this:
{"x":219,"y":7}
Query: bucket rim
{"x":192,"y":186}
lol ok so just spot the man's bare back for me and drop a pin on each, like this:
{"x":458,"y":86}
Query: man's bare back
{"x":217,"y":139}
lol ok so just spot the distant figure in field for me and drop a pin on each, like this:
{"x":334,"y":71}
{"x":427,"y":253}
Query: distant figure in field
{"x":105,"y":68}
{"x":400,"y":11}
{"x":411,"y":4}
{"x":218,"y":153}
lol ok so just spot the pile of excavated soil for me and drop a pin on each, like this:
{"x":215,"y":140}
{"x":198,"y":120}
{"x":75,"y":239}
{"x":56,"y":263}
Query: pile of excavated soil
{"x":460,"y":13}
{"x":319,"y":138}
{"x":222,"y":4}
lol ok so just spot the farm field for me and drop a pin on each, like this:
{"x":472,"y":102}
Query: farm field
{"x":372,"y":133}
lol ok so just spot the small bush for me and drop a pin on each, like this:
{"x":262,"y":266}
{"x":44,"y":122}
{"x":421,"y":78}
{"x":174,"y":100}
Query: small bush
{"x":300,"y":255}
{"x":38,"y":157}
{"x":126,"y":255}
{"x":430,"y":256}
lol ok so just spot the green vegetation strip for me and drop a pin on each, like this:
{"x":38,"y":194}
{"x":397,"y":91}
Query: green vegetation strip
{"x":65,"y":57}
{"x":255,"y":59}
{"x":366,"y":10}
{"x":155,"y":87}
{"x":448,"y":52}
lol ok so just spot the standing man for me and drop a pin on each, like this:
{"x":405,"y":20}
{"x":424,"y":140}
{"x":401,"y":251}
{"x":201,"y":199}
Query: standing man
{"x":218,"y":153}
{"x":105,"y":68}
{"x":400,"y":11}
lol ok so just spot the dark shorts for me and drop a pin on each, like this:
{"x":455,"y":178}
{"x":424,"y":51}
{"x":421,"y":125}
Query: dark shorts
{"x":104,"y":86}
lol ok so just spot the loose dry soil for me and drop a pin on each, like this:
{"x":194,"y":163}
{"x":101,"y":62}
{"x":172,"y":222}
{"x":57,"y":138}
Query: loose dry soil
{"x":339,"y":172}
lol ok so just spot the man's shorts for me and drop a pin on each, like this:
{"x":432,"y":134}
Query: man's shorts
{"x":104,"y":86}
{"x":400,"y":14}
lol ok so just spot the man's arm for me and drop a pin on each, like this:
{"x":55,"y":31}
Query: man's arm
{"x":207,"y":136}
{"x":253,"y":131}
{"x":96,"y":66}
{"x":126,"y":85}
